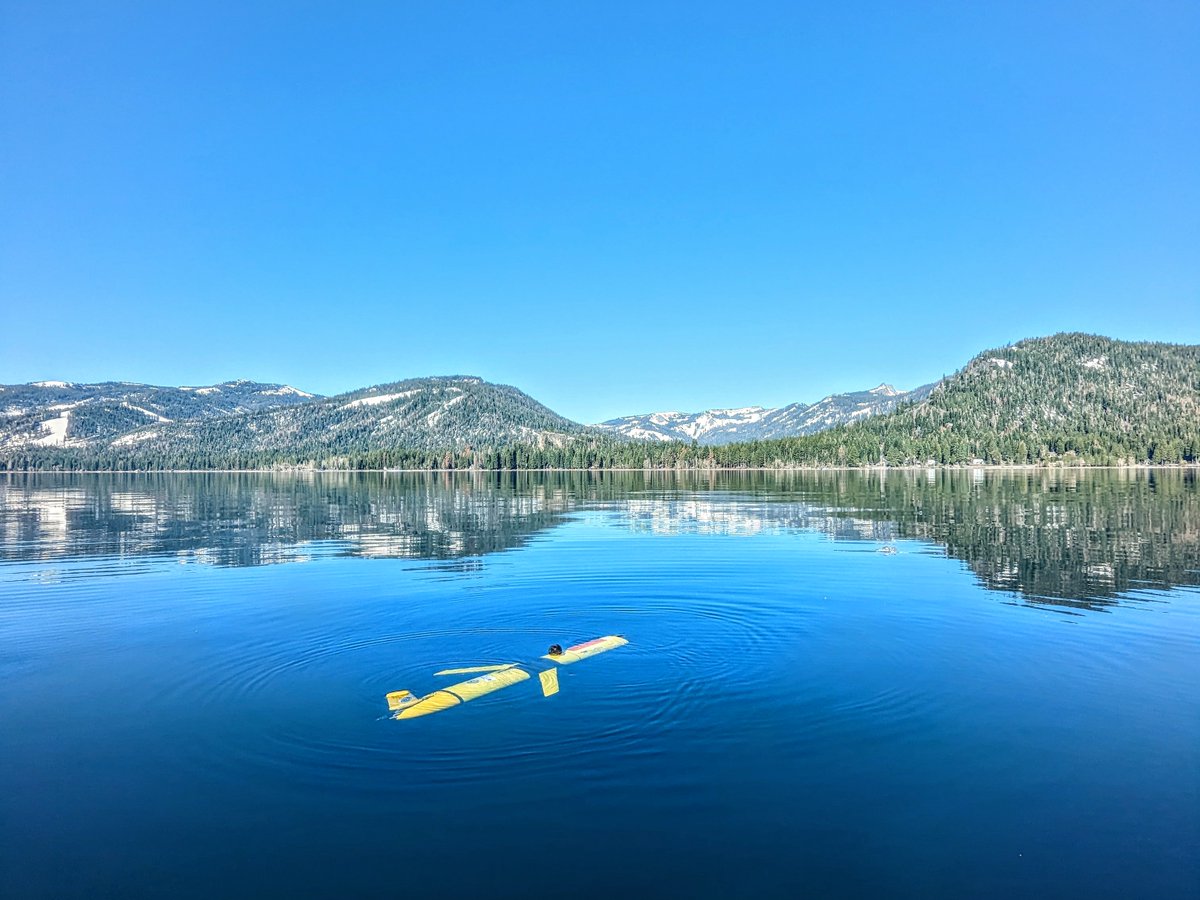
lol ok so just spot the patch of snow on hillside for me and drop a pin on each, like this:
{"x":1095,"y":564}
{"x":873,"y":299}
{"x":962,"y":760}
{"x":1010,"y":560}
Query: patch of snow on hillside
{"x":645,"y":434}
{"x":745,"y":413}
{"x":1001,"y":363}
{"x":134,"y":438}
{"x":1096,"y":362}
{"x":202,"y":390}
{"x":286,"y":391}
{"x":665,"y":418}
{"x":436,"y":416}
{"x":56,"y":432}
{"x":146,"y":412}
{"x":53,"y":384}
{"x":713,"y":419}
{"x":884,"y":390}
{"x":378,"y":398}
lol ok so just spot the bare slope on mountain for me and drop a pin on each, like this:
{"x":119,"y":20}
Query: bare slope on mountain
{"x":66,"y":414}
{"x":754,"y":423}
{"x":450,"y":412}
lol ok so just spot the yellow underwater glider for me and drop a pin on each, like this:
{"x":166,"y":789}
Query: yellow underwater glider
{"x":406,"y":705}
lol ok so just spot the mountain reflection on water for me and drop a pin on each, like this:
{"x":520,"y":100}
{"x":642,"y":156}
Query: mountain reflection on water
{"x":1073,"y":538}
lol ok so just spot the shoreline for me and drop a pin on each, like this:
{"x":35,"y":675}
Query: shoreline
{"x":306,"y":470}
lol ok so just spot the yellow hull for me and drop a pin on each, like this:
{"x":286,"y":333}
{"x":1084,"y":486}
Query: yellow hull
{"x":586,"y":649}
{"x":406,"y":705}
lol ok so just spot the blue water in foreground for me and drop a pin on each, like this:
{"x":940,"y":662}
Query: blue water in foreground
{"x":193,"y":671}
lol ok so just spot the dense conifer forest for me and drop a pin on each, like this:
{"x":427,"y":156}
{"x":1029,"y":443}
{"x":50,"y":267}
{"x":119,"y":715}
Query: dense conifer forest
{"x":1071,"y":399}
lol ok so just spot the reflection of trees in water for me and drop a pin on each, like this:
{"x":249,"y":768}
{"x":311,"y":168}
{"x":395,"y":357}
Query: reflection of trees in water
{"x":729,"y":514}
{"x":1070,"y":538}
{"x":256,"y":519}
{"x":1098,"y":540}
{"x":1065,"y":537}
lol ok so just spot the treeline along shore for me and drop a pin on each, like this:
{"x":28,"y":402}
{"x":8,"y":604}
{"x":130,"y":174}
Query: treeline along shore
{"x":1069,"y":399}
{"x":798,"y":453}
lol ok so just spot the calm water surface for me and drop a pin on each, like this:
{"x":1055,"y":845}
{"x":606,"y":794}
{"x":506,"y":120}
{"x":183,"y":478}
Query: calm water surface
{"x":193,"y":670}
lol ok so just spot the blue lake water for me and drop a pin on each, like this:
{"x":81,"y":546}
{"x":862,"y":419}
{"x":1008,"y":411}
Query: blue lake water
{"x":924,"y":684}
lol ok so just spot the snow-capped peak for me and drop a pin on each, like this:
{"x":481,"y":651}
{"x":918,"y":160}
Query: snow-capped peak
{"x":720,"y":426}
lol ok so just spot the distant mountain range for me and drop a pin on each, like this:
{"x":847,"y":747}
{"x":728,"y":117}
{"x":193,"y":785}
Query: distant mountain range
{"x":66,"y":414}
{"x":755,"y":423}
{"x":443,"y":412}
{"x":244,"y":419}
{"x":1070,"y":397}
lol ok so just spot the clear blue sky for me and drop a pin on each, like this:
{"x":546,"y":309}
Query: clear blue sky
{"x":617,"y":207}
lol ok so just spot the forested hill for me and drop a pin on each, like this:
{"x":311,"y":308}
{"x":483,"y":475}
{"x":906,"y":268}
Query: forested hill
{"x":1070,"y":397}
{"x":70,"y":414}
{"x":434,"y":415}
